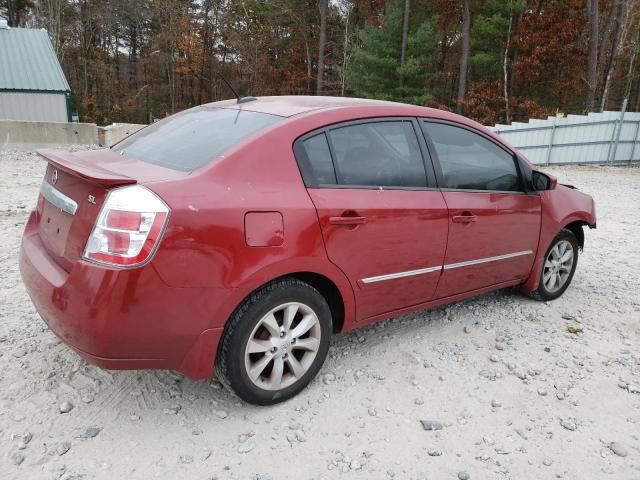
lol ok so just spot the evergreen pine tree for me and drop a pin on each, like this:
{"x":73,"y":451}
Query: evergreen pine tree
{"x":374,"y":70}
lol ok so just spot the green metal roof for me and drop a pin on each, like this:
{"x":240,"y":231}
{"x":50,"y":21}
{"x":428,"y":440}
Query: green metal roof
{"x":28,"y":62}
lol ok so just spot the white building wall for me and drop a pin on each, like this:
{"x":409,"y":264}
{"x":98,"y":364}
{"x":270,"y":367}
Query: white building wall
{"x":35,"y":107}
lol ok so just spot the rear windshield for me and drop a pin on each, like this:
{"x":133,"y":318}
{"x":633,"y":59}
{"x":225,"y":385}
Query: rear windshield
{"x":191,"y":139}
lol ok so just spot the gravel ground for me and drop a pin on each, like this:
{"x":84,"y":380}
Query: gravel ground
{"x":512,"y":392}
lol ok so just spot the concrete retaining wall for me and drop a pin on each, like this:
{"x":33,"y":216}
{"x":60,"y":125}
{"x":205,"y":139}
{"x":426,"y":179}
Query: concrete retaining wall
{"x":107,"y":136}
{"x":29,"y":135}
{"x":17,"y":134}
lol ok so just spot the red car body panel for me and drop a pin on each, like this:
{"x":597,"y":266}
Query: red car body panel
{"x":561,"y":206}
{"x":247,"y":219}
{"x":389,"y":215}
{"x":506,"y":224}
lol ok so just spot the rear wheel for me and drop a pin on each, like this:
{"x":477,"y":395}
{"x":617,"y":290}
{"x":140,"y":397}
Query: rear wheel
{"x":275,"y":343}
{"x":559,"y":266}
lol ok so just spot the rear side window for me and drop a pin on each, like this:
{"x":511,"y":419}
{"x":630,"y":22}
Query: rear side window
{"x":471,"y":162}
{"x":371,"y":154}
{"x":319,"y":157}
{"x":374,"y":154}
{"x":191,"y":139}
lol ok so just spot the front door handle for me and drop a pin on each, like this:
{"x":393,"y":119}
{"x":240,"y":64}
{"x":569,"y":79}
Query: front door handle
{"x":347,"y":220}
{"x":466,"y":217}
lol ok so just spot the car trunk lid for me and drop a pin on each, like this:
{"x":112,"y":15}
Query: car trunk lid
{"x":74,"y":188}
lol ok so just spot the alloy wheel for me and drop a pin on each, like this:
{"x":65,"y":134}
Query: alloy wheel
{"x":282,"y":346}
{"x":558,"y":265}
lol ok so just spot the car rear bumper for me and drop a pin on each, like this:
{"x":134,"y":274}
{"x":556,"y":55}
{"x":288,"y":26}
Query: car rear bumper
{"x":124,"y":319}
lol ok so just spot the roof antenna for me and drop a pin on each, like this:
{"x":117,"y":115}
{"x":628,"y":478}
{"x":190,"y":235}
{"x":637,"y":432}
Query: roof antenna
{"x":235,"y":94}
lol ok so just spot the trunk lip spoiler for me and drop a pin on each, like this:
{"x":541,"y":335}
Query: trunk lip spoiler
{"x":58,"y":199}
{"x":86,"y":171}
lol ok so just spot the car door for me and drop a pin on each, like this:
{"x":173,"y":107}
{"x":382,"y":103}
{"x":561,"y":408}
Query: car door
{"x":383,"y":221}
{"x":494,"y":224}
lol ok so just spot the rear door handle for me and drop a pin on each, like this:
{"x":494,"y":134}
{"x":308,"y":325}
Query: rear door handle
{"x":347,"y":220}
{"x":464,"y":218}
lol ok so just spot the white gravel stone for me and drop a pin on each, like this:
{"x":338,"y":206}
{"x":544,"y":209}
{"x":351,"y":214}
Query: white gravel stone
{"x":63,"y":447}
{"x":619,"y":449}
{"x":328,"y":378}
{"x":568,"y":424}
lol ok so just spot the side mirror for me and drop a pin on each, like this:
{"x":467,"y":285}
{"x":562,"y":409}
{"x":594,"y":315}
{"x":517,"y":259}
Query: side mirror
{"x":542,"y":181}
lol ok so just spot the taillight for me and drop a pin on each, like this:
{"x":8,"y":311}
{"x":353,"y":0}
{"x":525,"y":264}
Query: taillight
{"x":128,"y":228}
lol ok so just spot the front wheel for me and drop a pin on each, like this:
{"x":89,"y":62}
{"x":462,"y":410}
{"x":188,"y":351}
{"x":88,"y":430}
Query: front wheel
{"x":275,"y":342}
{"x":559,"y":266}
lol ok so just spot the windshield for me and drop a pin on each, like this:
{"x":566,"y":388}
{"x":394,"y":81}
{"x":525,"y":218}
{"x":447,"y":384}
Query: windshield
{"x":191,"y":139}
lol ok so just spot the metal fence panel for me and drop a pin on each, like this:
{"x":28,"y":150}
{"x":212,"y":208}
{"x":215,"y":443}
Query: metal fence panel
{"x":606,"y":137}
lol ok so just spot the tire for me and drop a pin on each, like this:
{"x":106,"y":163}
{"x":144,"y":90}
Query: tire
{"x":556,"y":275}
{"x":275,"y":342}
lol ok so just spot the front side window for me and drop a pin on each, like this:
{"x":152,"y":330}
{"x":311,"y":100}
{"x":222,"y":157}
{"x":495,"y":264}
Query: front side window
{"x":471,"y":162}
{"x":191,"y":139}
{"x":383,"y":154}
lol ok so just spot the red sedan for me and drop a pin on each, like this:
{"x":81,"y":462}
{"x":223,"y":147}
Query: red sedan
{"x":240,"y":235}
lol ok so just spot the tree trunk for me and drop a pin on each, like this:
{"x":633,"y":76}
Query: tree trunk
{"x":203,"y":81}
{"x":307,"y":52}
{"x":464,"y":57}
{"x":405,"y":34}
{"x":606,"y":33}
{"x":505,"y":71}
{"x":344,"y":52}
{"x":615,"y":48}
{"x":592,"y":64}
{"x":632,"y":64}
{"x":323,"y":5}
{"x":14,"y":12}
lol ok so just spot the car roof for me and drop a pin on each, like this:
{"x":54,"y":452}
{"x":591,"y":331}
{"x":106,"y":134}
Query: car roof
{"x":291,"y":105}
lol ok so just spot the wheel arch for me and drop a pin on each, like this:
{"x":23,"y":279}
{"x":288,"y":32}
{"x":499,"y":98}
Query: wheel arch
{"x":325,"y":285}
{"x":550,"y":228}
{"x":329,"y":291}
{"x":576,"y":227}
{"x":331,"y":282}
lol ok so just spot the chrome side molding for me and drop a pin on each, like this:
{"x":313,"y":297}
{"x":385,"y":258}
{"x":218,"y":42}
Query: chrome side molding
{"x":487,"y":259}
{"x":408,"y":273}
{"x":421,"y":271}
{"x":58,"y":199}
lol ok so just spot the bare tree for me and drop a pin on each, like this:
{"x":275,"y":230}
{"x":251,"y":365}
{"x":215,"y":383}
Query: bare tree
{"x":592,"y":64}
{"x":405,"y":34}
{"x":16,"y":11}
{"x":505,"y":70}
{"x":635,"y":48}
{"x":615,"y":48}
{"x":323,"y":5}
{"x":464,"y":57}
{"x":51,"y":13}
{"x":345,"y":49}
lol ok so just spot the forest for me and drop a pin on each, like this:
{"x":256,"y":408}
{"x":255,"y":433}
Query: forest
{"x":495,"y":61}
